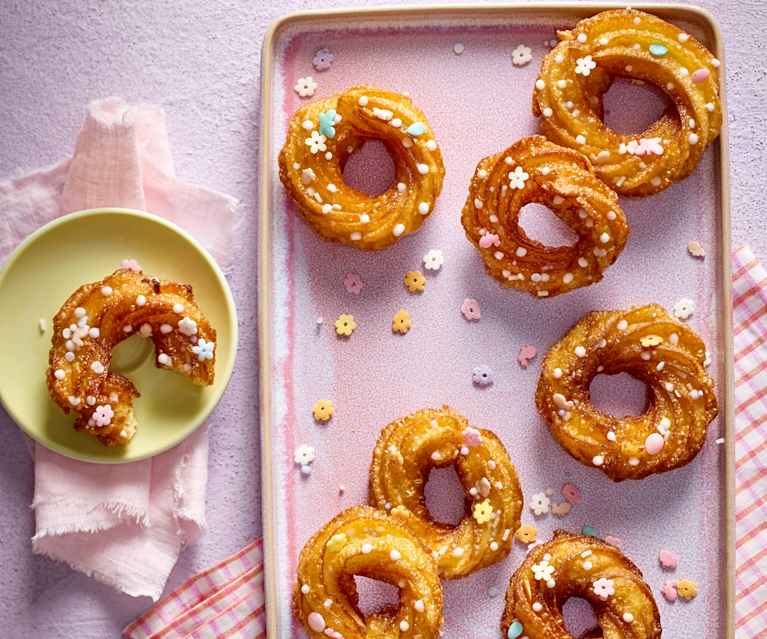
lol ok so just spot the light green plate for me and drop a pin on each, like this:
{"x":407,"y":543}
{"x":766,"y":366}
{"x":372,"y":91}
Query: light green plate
{"x":84,"y":247}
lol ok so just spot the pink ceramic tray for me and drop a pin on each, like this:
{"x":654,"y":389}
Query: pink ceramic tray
{"x":478,"y":103}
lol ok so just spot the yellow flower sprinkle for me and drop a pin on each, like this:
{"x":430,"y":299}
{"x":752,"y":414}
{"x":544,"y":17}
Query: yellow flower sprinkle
{"x":483,"y":511}
{"x":415,"y":282}
{"x":687,"y":589}
{"x":401,"y":322}
{"x":526,"y":534}
{"x":648,"y":341}
{"x":345,"y":324}
{"x":323,"y":410}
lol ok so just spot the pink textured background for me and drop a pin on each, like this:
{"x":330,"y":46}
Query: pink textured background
{"x":201,"y":61}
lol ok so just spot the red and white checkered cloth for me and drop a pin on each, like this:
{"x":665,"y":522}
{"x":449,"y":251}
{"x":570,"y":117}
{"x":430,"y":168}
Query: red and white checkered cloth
{"x":227,"y":600}
{"x":749,"y":281}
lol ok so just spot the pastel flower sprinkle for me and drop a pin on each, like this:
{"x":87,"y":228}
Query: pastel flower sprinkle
{"x":521,"y":55}
{"x":589,"y":531}
{"x":353,"y":283}
{"x":526,"y":534}
{"x":526,"y":353}
{"x":687,"y":589}
{"x":433,"y":260}
{"x":482,"y":375}
{"x":483,"y":511}
{"x":204,"y":349}
{"x":695,"y":249}
{"x":683,"y":309}
{"x":305,"y":87}
{"x":572,"y":494}
{"x":327,"y":120}
{"x":585,"y":65}
{"x":561,"y":509}
{"x":471,"y":437}
{"x":345,"y":325}
{"x":414,"y":281}
{"x":668,"y":559}
{"x":323,"y":410}
{"x":303,"y":455}
{"x":470,"y":309}
{"x":489,"y":240}
{"x":604,"y":588}
{"x":544,"y":571}
{"x":316,"y":142}
{"x":613,"y":541}
{"x":668,"y":590}
{"x":401,"y":322}
{"x":518,"y":177}
{"x":131,"y":265}
{"x":323,"y":59}
{"x":540,"y":504}
{"x":103,"y":415}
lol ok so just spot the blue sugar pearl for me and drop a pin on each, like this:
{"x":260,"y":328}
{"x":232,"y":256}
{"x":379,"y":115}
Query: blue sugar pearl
{"x":658,"y":50}
{"x":590,"y":531}
{"x":515,"y":630}
{"x":416,"y":129}
{"x":327,"y":120}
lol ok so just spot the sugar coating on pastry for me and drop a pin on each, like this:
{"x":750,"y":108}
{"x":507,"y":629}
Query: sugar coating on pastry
{"x":366,"y":542}
{"x":321,"y":137}
{"x":535,"y":170}
{"x":577,"y":72}
{"x":649,"y":344}
{"x":579,"y":566}
{"x":406,"y":452}
{"x":97,"y":317}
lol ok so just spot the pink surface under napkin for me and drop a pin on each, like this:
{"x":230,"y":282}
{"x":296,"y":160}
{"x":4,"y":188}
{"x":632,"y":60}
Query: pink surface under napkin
{"x":122,"y":524}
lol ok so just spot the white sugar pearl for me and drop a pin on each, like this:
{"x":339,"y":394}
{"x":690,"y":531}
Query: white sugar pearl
{"x":418,"y":605}
{"x":521,"y":251}
{"x":623,"y":325}
{"x":582,"y":37}
{"x":404,"y":626}
{"x":598,"y":460}
{"x":431,"y":145}
{"x":59,"y":373}
{"x":493,"y":546}
{"x":580,"y":139}
{"x":423,"y":169}
{"x":628,"y":617}
{"x":604,"y":238}
{"x":561,"y":84}
{"x":178,"y":308}
{"x":367,"y":549}
{"x":423,"y":208}
{"x":567,"y":278}
{"x":539,"y":84}
{"x":94,"y":332}
{"x":547,"y":112}
{"x":557,"y":373}
{"x":97,"y":367}
{"x":398,"y":230}
{"x":164,"y":359}
{"x":683,"y":37}
{"x":69,"y":356}
{"x":364,"y":218}
{"x":458,"y":551}
{"x":363,"y":100}
{"x":394,"y":555}
{"x":106,"y":291}
{"x":356,"y":236}
{"x":165,"y":329}
{"x":79,"y":312}
{"x":327,"y":208}
{"x":305,"y":589}
{"x":537,"y":606}
{"x":580,"y":351}
{"x":140,"y":300}
{"x":611,"y":435}
{"x":401,"y":187}
{"x":693,"y":138}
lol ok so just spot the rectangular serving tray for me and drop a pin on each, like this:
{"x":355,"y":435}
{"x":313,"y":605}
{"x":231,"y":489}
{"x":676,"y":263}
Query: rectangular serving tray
{"x":478,"y":104}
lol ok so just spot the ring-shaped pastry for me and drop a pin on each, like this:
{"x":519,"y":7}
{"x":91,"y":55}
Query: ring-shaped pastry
{"x":321,"y":137}
{"x":97,"y":317}
{"x":536,"y":170}
{"x":624,"y":42}
{"x":366,"y":542}
{"x":579,"y":566}
{"x":647,"y":343}
{"x":405,"y":453}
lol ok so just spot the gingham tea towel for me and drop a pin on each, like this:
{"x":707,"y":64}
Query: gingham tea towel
{"x":750,"y":343}
{"x":225,"y":601}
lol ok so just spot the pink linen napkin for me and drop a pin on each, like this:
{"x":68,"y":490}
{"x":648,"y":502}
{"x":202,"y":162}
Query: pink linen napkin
{"x":122,"y":524}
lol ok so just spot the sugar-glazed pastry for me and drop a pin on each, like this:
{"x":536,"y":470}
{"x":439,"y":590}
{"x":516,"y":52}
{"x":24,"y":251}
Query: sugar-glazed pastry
{"x":579,"y":566}
{"x":649,"y":344}
{"x":624,"y":42}
{"x":99,"y":315}
{"x":321,"y":137}
{"x":365,"y":541}
{"x":536,"y":170}
{"x":405,"y":453}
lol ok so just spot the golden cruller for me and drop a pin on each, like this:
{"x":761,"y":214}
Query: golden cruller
{"x":321,"y":137}
{"x":572,"y":566}
{"x":97,"y":317}
{"x":625,"y":42}
{"x":649,"y":344}
{"x":407,"y":450}
{"x":534,"y":169}
{"x":365,"y":541}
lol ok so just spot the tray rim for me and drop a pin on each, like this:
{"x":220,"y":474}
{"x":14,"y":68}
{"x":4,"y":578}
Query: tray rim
{"x":407,"y":13}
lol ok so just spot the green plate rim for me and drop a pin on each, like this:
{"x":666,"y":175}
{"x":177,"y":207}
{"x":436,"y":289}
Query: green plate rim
{"x":219,"y":274}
